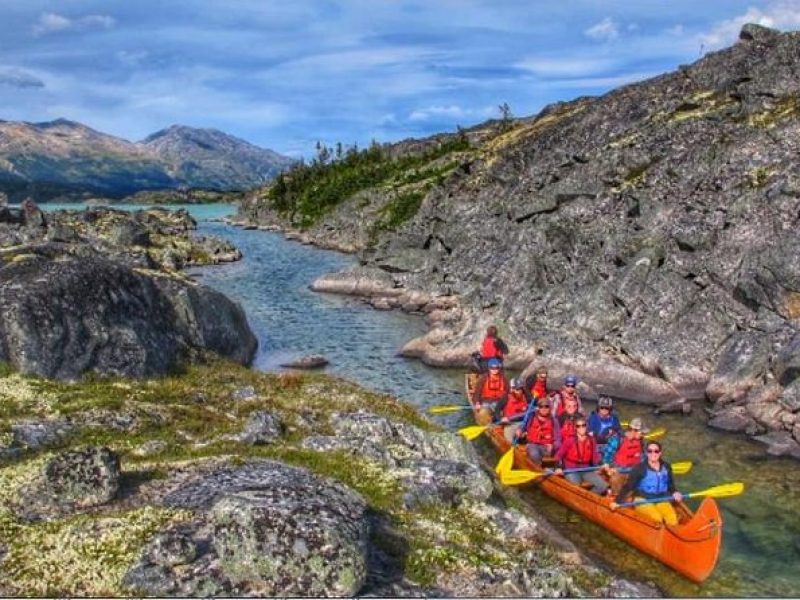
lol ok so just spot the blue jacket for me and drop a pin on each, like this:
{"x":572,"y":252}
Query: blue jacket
{"x":601,"y":428}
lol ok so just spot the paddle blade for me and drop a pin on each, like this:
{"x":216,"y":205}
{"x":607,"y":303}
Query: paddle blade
{"x":681,"y":468}
{"x":720,"y":491}
{"x":447,"y":408}
{"x":472,"y":432}
{"x":506,"y":462}
{"x":518,"y":476}
{"x":656,"y":433}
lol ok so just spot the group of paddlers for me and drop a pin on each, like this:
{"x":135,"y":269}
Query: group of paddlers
{"x":555,"y":431}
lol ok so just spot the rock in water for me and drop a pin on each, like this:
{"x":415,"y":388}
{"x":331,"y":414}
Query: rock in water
{"x":312,"y":361}
{"x":61,"y":318}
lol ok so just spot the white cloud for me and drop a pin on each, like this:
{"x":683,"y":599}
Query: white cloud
{"x":676,"y":30}
{"x":603,"y":82}
{"x":20,"y":79}
{"x":53,"y":23}
{"x":781,"y":15}
{"x":452,"y":112}
{"x":604,"y":31}
{"x":565,"y":67}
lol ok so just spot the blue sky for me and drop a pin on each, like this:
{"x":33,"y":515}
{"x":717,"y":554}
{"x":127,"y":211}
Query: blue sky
{"x":286,"y":74}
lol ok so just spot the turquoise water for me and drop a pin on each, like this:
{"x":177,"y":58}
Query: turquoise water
{"x":201,"y":212}
{"x":761,"y":548}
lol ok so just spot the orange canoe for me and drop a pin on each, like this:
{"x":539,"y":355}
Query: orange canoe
{"x":691,"y":548}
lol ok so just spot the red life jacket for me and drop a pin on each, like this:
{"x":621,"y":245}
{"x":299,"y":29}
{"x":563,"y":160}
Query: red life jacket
{"x":541,"y":431}
{"x":629,"y":453}
{"x":489,"y":350}
{"x":559,"y":400}
{"x":568,"y":424}
{"x":516,"y":404}
{"x":580,"y":453}
{"x":539,"y":389}
{"x":494,"y":387}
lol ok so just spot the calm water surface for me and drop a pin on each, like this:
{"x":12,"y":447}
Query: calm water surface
{"x":761,"y":549}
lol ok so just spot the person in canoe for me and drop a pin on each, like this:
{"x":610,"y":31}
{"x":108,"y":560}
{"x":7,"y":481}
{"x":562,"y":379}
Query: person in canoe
{"x":624,"y":452}
{"x":652,"y":479}
{"x":568,"y":390}
{"x":536,"y":385}
{"x":492,"y":347}
{"x":603,"y":422}
{"x":578,"y":451}
{"x":568,"y":418}
{"x":541,"y":431}
{"x":490,"y":389}
{"x":514,"y":407}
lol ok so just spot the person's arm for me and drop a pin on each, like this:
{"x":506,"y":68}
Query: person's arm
{"x":636,"y":475}
{"x":670,"y":480}
{"x":593,"y":424}
{"x":611,"y":449}
{"x":556,"y":433}
{"x":595,"y":453}
{"x":562,"y":451}
{"x":500,"y":407}
{"x":500,"y":346}
{"x":529,"y":412}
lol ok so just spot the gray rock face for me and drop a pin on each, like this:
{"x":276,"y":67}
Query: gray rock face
{"x":443,"y":482}
{"x":62,"y":318}
{"x":262,"y":427}
{"x":312,"y":361}
{"x":270,"y":529}
{"x":34,"y":435}
{"x":302,"y":542}
{"x":71,"y":481}
{"x":654,"y":227}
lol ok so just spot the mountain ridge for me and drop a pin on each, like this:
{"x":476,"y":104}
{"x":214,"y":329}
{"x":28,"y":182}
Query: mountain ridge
{"x":65,"y":159}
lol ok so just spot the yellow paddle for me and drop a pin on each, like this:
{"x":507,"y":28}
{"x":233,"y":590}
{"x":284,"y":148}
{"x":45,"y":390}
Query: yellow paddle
{"x":656,"y":433}
{"x":506,"y":462}
{"x":447,"y":408}
{"x":472,"y":432}
{"x":725,"y":490}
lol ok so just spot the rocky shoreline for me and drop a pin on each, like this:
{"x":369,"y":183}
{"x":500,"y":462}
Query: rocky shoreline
{"x":101,"y":291}
{"x":657,"y":262}
{"x":224,"y":481}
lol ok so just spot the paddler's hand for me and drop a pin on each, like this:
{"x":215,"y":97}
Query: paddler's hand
{"x":613,"y":506}
{"x":677,"y":496}
{"x":558,"y":471}
{"x":504,"y":421}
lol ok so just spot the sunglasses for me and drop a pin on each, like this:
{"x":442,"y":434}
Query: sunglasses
{"x":582,"y":426}
{"x":547,"y":406}
{"x":605,"y":408}
{"x":653,"y":451}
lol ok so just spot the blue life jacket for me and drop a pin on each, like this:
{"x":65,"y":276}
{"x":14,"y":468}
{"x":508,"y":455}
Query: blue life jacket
{"x":654,"y":483}
{"x":601,"y":428}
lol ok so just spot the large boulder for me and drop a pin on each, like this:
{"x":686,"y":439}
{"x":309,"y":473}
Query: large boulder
{"x":263,"y":529}
{"x":61,"y":318}
{"x":71,"y":481}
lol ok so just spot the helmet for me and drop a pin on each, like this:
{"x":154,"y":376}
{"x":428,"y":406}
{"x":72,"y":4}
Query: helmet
{"x":604,"y":402}
{"x":570,"y":380}
{"x":494,"y":362}
{"x":516,"y":383}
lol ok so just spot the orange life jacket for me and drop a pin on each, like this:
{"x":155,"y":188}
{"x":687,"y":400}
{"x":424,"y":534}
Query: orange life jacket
{"x":629,"y":453}
{"x":489,"y":349}
{"x":541,"y":431}
{"x":494,"y":387}
{"x":516,"y":404}
{"x":580,"y":453}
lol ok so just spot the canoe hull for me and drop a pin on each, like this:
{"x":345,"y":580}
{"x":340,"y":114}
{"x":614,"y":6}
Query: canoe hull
{"x":690,"y":548}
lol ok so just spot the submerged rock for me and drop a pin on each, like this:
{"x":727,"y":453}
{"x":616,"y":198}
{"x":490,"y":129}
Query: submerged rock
{"x":312,"y":361}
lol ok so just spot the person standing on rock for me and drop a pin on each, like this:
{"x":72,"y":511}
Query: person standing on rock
{"x":493,"y":346}
{"x":491,"y":389}
{"x":579,"y":451}
{"x":567,"y":391}
{"x":603,"y":422}
{"x":652,"y":479}
{"x":536,"y":386}
{"x":541,"y":431}
{"x":513,"y":408}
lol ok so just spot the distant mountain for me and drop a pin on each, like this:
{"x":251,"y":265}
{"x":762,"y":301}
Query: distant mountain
{"x":65,"y":159}
{"x":211,"y":159}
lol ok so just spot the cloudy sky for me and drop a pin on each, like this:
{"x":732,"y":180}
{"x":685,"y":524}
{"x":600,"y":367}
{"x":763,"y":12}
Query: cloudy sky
{"x":285,"y":74}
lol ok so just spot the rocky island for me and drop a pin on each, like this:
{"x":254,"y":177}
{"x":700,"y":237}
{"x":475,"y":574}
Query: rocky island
{"x":645,"y":240}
